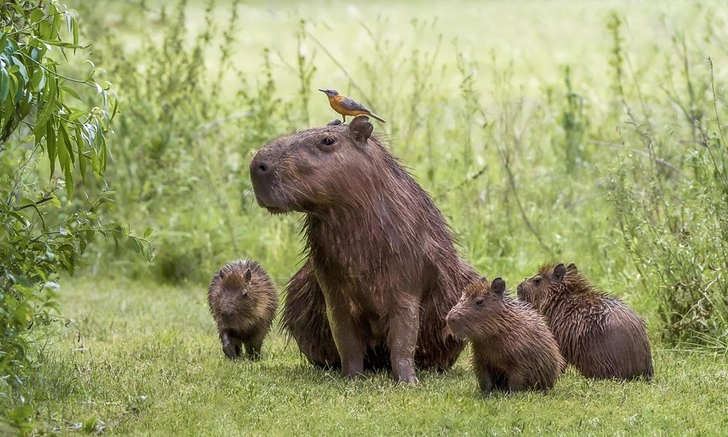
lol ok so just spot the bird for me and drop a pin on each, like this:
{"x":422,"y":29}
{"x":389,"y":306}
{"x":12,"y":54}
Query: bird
{"x":347,"y":106}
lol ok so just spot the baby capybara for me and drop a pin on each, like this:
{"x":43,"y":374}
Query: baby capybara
{"x":513,"y":349}
{"x":596,"y":333}
{"x":243,"y":302}
{"x":381,"y":271}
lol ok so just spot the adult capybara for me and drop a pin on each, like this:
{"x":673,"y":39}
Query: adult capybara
{"x":597,"y":333}
{"x":243,"y":302}
{"x":381,"y":271}
{"x":513,"y":349}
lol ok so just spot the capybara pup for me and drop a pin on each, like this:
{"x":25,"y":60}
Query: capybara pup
{"x":597,"y":333}
{"x":513,"y":349}
{"x":381,"y":271}
{"x":243,"y":302}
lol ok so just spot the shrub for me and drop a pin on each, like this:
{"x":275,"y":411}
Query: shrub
{"x":671,"y":198}
{"x":44,"y":131}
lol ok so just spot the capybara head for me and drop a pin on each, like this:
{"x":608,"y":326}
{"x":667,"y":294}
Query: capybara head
{"x":551,"y":279}
{"x":476,"y":312}
{"x":317,"y":168}
{"x":233,"y":298}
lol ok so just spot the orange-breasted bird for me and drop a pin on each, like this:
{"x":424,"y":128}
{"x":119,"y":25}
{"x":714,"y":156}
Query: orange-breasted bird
{"x":347,"y":106}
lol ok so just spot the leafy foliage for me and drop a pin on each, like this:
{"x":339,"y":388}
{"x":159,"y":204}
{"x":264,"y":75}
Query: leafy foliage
{"x":44,"y":120}
{"x":671,"y":198}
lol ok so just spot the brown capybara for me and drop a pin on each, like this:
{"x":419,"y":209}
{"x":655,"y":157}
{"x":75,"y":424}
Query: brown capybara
{"x":381,"y":271}
{"x":596,"y":333}
{"x":243,"y":302}
{"x":513,"y":348}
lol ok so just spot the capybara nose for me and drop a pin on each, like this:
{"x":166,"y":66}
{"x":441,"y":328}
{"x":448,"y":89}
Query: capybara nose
{"x":260,"y":167}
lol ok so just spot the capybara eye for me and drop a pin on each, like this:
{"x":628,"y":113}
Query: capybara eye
{"x":329,"y":141}
{"x":479,"y":301}
{"x":537,"y":281}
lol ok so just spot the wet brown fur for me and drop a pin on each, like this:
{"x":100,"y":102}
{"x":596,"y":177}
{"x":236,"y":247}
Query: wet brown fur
{"x":597,"y":333}
{"x":381,"y":266}
{"x":513,"y":349}
{"x":243,"y":303}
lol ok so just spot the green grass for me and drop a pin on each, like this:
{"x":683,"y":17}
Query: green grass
{"x":149,"y":363}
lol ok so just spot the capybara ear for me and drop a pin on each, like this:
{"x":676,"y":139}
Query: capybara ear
{"x":248,"y":275}
{"x":559,"y":272}
{"x":360,"y":129}
{"x":498,"y":286}
{"x":335,"y":122}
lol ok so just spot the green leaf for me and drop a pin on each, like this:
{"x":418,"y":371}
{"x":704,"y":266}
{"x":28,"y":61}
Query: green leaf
{"x":51,"y":146}
{"x":10,"y":47}
{"x":76,"y":114}
{"x":48,"y":97}
{"x":68,"y":174}
{"x":71,"y":91}
{"x":148,"y":233}
{"x":63,"y":124}
{"x":36,"y":16}
{"x":64,"y":154}
{"x":74,"y":24}
{"x":55,"y":202}
{"x":21,"y":68}
{"x":81,"y":158}
{"x":37,"y":82}
{"x":4,"y":85}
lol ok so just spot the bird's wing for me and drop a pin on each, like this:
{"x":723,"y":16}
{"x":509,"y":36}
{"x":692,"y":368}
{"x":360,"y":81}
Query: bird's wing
{"x":352,"y":105}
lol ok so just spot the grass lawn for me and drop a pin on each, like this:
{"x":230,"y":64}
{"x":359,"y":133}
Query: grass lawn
{"x":143,"y":359}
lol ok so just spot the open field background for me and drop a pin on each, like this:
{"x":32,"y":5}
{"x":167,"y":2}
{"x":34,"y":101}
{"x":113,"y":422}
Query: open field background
{"x":584,"y":131}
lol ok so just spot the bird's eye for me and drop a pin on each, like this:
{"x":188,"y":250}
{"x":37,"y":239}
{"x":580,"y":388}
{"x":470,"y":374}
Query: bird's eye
{"x":329,"y":141}
{"x":479,"y":301}
{"x":537,"y":281}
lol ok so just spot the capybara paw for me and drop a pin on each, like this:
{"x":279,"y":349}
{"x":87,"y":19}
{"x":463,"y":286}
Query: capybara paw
{"x":407,"y":379}
{"x":351,"y":375}
{"x":232,"y":351}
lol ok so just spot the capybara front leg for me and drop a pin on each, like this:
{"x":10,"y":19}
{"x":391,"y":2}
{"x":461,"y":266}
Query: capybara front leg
{"x":349,"y":345}
{"x":485,"y":381}
{"x":516,"y":383}
{"x":403,"y":328}
{"x":253,"y":347}
{"x":230,"y":346}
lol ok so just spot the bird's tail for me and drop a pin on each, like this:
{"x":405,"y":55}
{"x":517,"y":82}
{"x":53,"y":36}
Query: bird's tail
{"x":373,"y":115}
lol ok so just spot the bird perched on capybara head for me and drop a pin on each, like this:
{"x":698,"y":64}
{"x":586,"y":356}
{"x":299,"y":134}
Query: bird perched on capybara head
{"x":381,"y":271}
{"x":243,"y":302}
{"x":597,"y":333}
{"x":513,"y":349}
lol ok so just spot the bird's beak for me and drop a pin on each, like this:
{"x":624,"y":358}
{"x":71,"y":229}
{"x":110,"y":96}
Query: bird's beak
{"x":321,"y":90}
